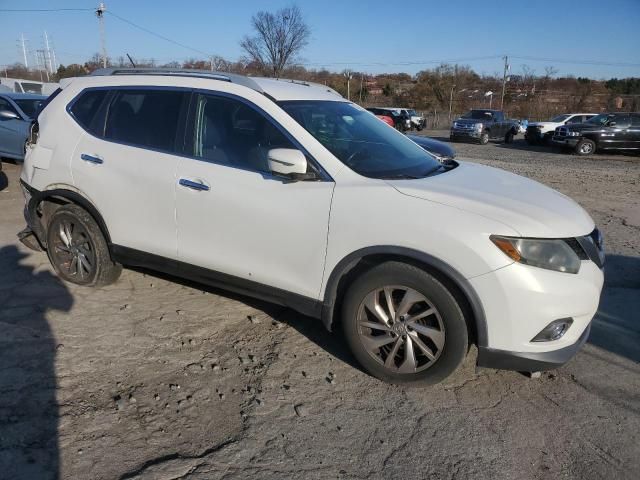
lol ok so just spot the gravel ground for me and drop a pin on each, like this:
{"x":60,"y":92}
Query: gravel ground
{"x":155,"y":378}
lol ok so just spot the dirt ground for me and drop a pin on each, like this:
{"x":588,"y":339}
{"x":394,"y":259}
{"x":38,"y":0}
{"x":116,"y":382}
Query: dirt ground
{"x":154,"y":378}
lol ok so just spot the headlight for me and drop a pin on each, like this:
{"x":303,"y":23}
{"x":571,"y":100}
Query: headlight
{"x":478,"y":126}
{"x":573,"y":134}
{"x":554,"y":254}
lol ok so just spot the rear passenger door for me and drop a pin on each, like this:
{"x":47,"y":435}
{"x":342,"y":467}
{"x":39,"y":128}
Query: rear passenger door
{"x":126,"y":162}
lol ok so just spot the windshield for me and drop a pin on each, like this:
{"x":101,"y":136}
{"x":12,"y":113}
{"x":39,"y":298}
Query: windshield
{"x":478,"y":114}
{"x":560,"y":118}
{"x":361,"y":141}
{"x":601,"y":119}
{"x":412,"y":113}
{"x":29,"y":107}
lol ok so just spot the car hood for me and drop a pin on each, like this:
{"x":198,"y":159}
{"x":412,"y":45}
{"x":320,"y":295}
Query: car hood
{"x":469,"y":121}
{"x":528,"y":207}
{"x":544,"y":124}
{"x":579,"y":127}
{"x":437,"y":147}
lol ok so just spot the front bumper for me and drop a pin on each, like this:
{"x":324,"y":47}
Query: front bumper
{"x":565,"y":141}
{"x":465,"y":133}
{"x":530,"y":361}
{"x":520,"y":300}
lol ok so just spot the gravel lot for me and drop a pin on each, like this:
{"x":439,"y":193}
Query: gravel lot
{"x":154,"y":378}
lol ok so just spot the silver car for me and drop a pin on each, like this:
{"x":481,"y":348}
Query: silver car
{"x":17,"y":110}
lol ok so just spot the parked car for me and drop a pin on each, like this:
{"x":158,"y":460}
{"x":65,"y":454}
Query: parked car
{"x":386,"y":117}
{"x":399,"y":121}
{"x":542,"y":132}
{"x":417,"y":121}
{"x":286,"y":191}
{"x":483,"y":125}
{"x":17,"y":110}
{"x":441,"y":150}
{"x":607,"y":131}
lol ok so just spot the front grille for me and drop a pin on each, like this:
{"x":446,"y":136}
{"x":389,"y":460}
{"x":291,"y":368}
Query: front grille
{"x":561,"y":132}
{"x":593,"y":246}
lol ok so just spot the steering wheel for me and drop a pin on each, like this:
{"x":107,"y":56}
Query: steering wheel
{"x":355,"y":154}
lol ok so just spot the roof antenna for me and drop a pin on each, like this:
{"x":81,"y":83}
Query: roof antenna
{"x":131,"y":60}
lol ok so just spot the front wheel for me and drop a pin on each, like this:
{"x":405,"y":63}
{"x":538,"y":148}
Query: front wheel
{"x":78,"y":250}
{"x":403,"y":325}
{"x":484,"y":138}
{"x":585,"y":147}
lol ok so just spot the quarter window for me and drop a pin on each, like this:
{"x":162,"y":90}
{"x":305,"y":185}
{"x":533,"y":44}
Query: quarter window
{"x":85,"y":110}
{"x":145,"y":118}
{"x":229,"y":132}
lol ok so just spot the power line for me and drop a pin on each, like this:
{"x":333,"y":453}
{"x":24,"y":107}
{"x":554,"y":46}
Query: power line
{"x":158,"y":35}
{"x":577,"y":62}
{"x":27,"y":10}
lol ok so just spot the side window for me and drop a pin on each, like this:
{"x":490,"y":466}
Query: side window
{"x":86,"y":107}
{"x":230,"y":132}
{"x":622,"y":121}
{"x":635,"y":120}
{"x":5,"y":105}
{"x":576,"y":119}
{"x":145,"y":118}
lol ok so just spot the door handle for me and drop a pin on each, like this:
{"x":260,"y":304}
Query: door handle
{"x":91,"y":159}
{"x":193,"y":185}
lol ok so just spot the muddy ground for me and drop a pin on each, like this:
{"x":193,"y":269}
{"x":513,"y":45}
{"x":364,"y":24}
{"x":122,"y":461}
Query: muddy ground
{"x":154,"y":378}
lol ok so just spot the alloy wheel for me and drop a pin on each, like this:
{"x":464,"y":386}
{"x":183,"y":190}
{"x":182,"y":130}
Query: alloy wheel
{"x":401,"y":329}
{"x":73,"y":251}
{"x":586,"y":147}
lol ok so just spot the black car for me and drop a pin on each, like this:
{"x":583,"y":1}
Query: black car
{"x":607,"y":131}
{"x":441,"y":150}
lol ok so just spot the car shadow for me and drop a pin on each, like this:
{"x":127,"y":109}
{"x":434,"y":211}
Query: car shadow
{"x":28,"y":406}
{"x":312,"y":328}
{"x":4,"y":181}
{"x":616,"y":326}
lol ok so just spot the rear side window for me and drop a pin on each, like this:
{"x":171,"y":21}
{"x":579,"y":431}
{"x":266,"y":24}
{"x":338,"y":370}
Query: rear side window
{"x":145,"y":118}
{"x":635,"y":120}
{"x":85,"y":110}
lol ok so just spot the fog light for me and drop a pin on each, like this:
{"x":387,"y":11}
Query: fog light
{"x":554,"y":330}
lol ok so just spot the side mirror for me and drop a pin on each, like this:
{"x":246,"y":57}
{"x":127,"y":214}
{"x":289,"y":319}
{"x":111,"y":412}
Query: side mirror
{"x":9,"y":115}
{"x":290,"y":163}
{"x":611,"y":124}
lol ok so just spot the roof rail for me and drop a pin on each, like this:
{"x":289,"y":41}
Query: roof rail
{"x":182,"y":72}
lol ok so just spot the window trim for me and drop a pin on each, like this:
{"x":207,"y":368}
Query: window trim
{"x":185,"y":124}
{"x":190,"y":125}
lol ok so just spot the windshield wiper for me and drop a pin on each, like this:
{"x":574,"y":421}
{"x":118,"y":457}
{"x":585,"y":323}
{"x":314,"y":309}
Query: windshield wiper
{"x":400,"y":176}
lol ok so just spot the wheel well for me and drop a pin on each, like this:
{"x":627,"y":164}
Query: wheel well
{"x":48,"y":202}
{"x":357,"y":268}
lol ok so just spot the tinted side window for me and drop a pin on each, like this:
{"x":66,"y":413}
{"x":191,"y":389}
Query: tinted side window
{"x":5,"y":105}
{"x":576,"y":119}
{"x":230,"y":132}
{"x":622,"y":121}
{"x":635,"y":120}
{"x":145,"y":118}
{"x":86,"y":107}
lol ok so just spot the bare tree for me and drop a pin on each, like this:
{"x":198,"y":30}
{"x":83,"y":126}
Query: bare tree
{"x":278,"y":38}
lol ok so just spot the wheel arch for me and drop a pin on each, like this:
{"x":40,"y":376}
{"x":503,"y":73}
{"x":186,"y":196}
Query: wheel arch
{"x":358,"y":262}
{"x":61,"y":196}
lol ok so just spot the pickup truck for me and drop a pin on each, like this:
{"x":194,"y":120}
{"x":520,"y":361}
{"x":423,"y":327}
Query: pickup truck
{"x":607,"y":131}
{"x":483,"y":125}
{"x":541,"y":132}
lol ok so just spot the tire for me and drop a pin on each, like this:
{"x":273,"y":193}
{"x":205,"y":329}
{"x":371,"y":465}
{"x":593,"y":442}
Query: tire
{"x":442,"y":333}
{"x":484,"y":138}
{"x":78,"y":250}
{"x":508,"y":138}
{"x":585,"y":147}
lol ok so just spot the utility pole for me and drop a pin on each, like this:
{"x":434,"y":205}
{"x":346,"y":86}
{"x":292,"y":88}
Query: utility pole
{"x":504,"y":80}
{"x":349,"y":76}
{"x":24,"y":51}
{"x":361,"y":81}
{"x":100,"y":14}
{"x":451,"y":100}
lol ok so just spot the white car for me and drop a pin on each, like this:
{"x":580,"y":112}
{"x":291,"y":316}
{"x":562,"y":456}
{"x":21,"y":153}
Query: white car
{"x":286,"y":191}
{"x":539,"y":132}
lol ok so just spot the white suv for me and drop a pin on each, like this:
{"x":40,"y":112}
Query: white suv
{"x":286,"y":191}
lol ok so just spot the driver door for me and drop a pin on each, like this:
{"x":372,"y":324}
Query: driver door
{"x":13,"y":132}
{"x":233,"y":216}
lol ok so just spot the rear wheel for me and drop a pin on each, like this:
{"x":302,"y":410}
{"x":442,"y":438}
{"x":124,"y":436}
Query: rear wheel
{"x":78,"y":250}
{"x":585,"y":147}
{"x":403,"y":325}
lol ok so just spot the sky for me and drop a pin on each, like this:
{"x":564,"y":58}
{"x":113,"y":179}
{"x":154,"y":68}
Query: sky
{"x":589,"y":38}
